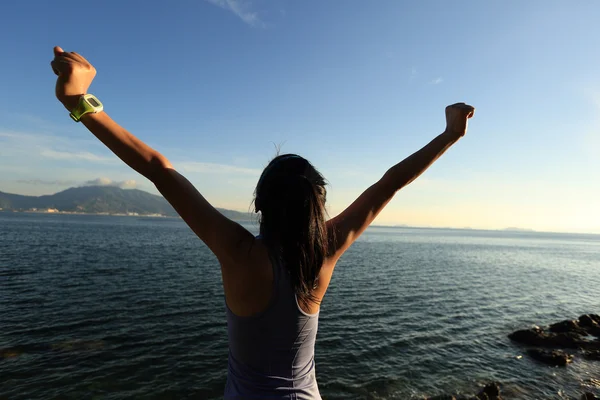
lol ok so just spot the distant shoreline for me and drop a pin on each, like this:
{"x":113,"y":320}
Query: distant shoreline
{"x":45,"y":212}
{"x":512,"y":230}
{"x":499,"y":230}
{"x":84,"y":213}
{"x":506,"y":230}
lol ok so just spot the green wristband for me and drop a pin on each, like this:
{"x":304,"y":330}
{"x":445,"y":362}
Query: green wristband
{"x":88,"y":103}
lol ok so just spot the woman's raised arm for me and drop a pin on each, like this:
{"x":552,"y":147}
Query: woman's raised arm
{"x":229,"y":241}
{"x":352,"y":222}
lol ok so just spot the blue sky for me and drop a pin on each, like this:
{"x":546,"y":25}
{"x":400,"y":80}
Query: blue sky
{"x":353,"y":86}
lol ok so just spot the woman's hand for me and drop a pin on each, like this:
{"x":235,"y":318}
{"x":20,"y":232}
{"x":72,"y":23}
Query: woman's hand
{"x":75,"y":75}
{"x":457,"y":116}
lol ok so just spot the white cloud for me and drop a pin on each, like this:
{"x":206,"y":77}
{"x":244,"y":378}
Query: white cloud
{"x":36,"y":147}
{"x":436,"y":81}
{"x":241,"y":9}
{"x":39,"y":124}
{"x":45,"y":182}
{"x":128,"y":184}
{"x":80,"y":155}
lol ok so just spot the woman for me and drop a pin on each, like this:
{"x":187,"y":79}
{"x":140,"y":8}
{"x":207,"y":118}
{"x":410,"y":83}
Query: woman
{"x":273,"y":283}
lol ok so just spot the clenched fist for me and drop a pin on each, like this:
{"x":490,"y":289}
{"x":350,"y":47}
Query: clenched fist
{"x":75,"y":75}
{"x":457,"y":116}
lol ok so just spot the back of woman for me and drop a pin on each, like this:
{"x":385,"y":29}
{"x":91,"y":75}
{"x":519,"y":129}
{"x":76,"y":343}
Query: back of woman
{"x":271,"y":354}
{"x":271,"y":351}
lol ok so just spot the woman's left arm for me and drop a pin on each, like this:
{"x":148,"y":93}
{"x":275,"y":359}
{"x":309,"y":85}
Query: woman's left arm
{"x":228,"y":240}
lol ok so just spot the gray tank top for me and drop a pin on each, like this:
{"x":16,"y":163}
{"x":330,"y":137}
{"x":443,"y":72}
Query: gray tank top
{"x":271,"y":354}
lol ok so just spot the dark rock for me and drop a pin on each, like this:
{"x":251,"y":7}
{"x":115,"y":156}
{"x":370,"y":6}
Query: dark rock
{"x":589,"y":344}
{"x":592,"y":355}
{"x":592,"y":330}
{"x":590,"y":323}
{"x":491,"y":391}
{"x":589,"y":319}
{"x":537,"y":337}
{"x":566,"y":326}
{"x":534,"y":336}
{"x":565,"y":340}
{"x":588,"y":396}
{"x":568,"y":340}
{"x":554,"y":357}
{"x":586,"y":320}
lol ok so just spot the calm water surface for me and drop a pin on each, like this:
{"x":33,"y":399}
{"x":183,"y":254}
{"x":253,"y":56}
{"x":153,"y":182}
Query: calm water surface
{"x":124,"y":307}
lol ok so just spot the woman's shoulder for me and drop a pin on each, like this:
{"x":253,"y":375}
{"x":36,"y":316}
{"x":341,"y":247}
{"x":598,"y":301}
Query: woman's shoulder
{"x":249,"y":289}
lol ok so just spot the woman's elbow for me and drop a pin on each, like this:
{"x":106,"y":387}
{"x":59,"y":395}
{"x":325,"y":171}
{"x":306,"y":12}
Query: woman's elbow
{"x":157,"y":166}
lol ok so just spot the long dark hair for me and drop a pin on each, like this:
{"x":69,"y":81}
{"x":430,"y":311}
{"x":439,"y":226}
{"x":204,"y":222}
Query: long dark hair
{"x":290,"y":196}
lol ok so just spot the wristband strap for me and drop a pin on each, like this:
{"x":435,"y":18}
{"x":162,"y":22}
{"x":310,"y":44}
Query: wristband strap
{"x":88,"y":103}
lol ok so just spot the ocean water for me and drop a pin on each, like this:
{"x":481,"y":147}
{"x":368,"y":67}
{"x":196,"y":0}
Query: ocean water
{"x":98,"y":307}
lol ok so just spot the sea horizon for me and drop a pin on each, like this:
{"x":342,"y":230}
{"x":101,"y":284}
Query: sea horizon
{"x":396,"y":226}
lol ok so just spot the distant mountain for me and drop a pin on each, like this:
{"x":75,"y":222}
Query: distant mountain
{"x":101,"y":200}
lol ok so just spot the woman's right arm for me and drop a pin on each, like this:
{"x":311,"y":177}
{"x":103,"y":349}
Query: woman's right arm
{"x":352,"y":222}
{"x":228,"y":240}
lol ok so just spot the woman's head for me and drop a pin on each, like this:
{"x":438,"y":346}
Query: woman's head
{"x":290,"y":196}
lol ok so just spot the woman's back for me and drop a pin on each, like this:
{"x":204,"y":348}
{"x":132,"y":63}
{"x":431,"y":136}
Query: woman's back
{"x":271,"y":354}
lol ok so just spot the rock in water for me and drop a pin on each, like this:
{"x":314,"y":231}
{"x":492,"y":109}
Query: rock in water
{"x":591,"y":324}
{"x":592,"y":355}
{"x":491,"y":391}
{"x":568,"y":340}
{"x":567,"y":326}
{"x":534,"y":336}
{"x":564,"y":340}
{"x":586,"y":320}
{"x":555,"y":357}
{"x":588,"y":396}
